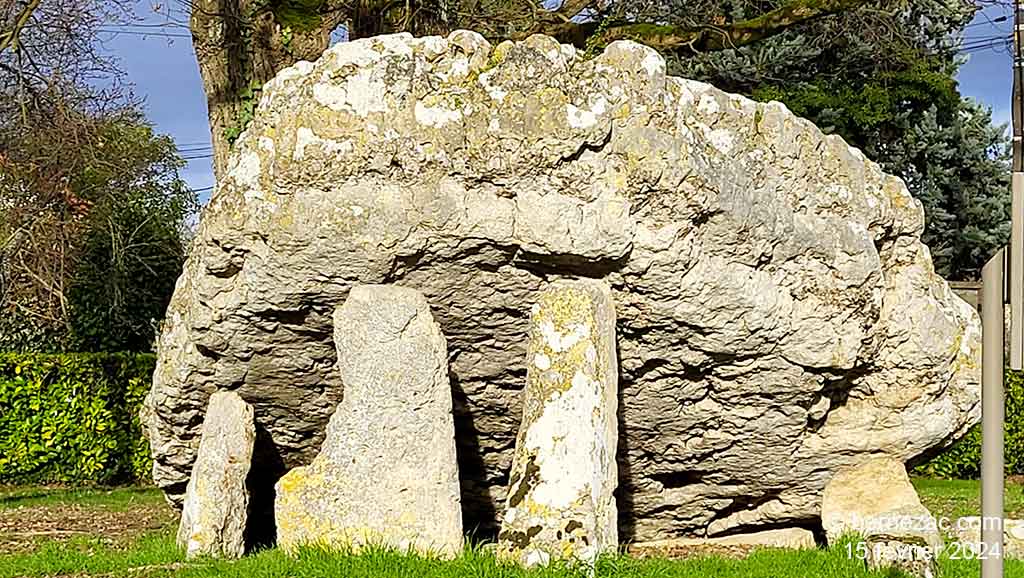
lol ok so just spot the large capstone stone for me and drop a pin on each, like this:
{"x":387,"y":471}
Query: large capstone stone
{"x":215,"y":513}
{"x":387,"y":474}
{"x":876,"y":503}
{"x":778,"y":318}
{"x":560,"y":501}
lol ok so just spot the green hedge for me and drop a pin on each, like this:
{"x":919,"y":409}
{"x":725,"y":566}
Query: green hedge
{"x":963,"y":459}
{"x":73,"y":418}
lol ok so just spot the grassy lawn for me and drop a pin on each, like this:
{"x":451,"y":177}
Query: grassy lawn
{"x":129,"y":532}
{"x":956,"y":498}
{"x":114,"y":498}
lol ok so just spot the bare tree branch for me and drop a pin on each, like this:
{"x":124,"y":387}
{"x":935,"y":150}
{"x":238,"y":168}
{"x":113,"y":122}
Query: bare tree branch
{"x":703,"y":38}
{"x":9,"y":39}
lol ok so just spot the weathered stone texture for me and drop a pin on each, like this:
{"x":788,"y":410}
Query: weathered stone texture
{"x":387,"y":472}
{"x":560,"y":502}
{"x":790,"y":538}
{"x":967,"y":532}
{"x":778,"y":316}
{"x":215,"y":512}
{"x":877,"y":501}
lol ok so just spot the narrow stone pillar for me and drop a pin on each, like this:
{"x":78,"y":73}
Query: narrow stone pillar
{"x":216,"y":500}
{"x":560,"y":501}
{"x":386,"y":473}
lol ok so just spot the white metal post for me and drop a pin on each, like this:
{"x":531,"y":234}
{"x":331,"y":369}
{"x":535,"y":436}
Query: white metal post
{"x":1017,"y":273}
{"x":992,"y":337}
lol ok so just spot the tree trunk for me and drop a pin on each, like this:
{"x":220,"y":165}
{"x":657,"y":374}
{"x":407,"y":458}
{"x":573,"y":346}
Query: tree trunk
{"x":240,"y":45}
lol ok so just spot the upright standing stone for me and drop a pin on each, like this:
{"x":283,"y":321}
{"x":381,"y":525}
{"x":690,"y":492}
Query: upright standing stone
{"x":387,"y":473}
{"x":216,"y":500}
{"x":876,"y":501}
{"x":560,"y":501}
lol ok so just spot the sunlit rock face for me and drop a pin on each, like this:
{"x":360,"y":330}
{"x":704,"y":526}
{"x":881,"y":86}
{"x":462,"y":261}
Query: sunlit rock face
{"x":777,"y":315}
{"x":561,"y":496}
{"x":215,"y":511}
{"x":387,"y":474}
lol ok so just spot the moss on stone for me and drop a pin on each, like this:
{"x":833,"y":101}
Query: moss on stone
{"x":299,"y":15}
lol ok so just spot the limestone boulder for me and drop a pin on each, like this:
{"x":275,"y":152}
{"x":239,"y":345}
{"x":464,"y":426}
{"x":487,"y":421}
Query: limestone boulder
{"x":215,"y":512}
{"x":967,"y":532}
{"x":877,"y":502}
{"x":788,"y":538}
{"x":778,"y":318}
{"x":387,"y":473}
{"x":560,"y":503}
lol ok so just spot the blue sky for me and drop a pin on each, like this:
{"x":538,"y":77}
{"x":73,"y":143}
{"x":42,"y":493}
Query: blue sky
{"x":987,"y":75}
{"x":160,"y":63}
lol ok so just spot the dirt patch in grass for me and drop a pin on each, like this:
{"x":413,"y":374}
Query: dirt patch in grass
{"x":22,"y":528}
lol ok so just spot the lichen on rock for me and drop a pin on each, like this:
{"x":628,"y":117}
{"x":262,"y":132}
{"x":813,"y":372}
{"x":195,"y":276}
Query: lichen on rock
{"x":386,"y":474}
{"x":216,"y":508}
{"x":561,"y":503}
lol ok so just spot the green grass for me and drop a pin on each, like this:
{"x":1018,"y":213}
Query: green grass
{"x":957,"y":498}
{"x":155,"y":554}
{"x":113,"y":498}
{"x":91,"y":556}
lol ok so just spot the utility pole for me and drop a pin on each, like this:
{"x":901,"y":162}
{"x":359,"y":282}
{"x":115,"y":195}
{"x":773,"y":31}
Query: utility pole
{"x":1018,"y":81}
{"x":992,"y":336}
{"x":1016,"y":271}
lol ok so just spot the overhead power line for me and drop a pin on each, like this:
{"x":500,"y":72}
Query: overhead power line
{"x":988,"y":21}
{"x":154,"y":33}
{"x":166,"y":24}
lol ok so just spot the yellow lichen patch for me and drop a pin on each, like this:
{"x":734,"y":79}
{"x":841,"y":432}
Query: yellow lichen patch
{"x":563,"y":307}
{"x":296,"y":525}
{"x":895,"y":191}
{"x":564,"y":330}
{"x":499,"y":54}
{"x":623,"y":111}
{"x":538,"y":510}
{"x":292,"y":482}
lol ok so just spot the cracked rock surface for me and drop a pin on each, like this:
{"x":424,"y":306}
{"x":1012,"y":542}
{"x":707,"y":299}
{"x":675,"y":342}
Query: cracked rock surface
{"x":777,"y":315}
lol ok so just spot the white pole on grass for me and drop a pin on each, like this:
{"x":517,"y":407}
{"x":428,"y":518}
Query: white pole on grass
{"x":992,"y":337}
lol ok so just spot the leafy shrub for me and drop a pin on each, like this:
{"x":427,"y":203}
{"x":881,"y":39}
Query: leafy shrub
{"x":963,"y":459}
{"x":73,"y":418}
{"x":93,"y":238}
{"x":20,"y":332}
